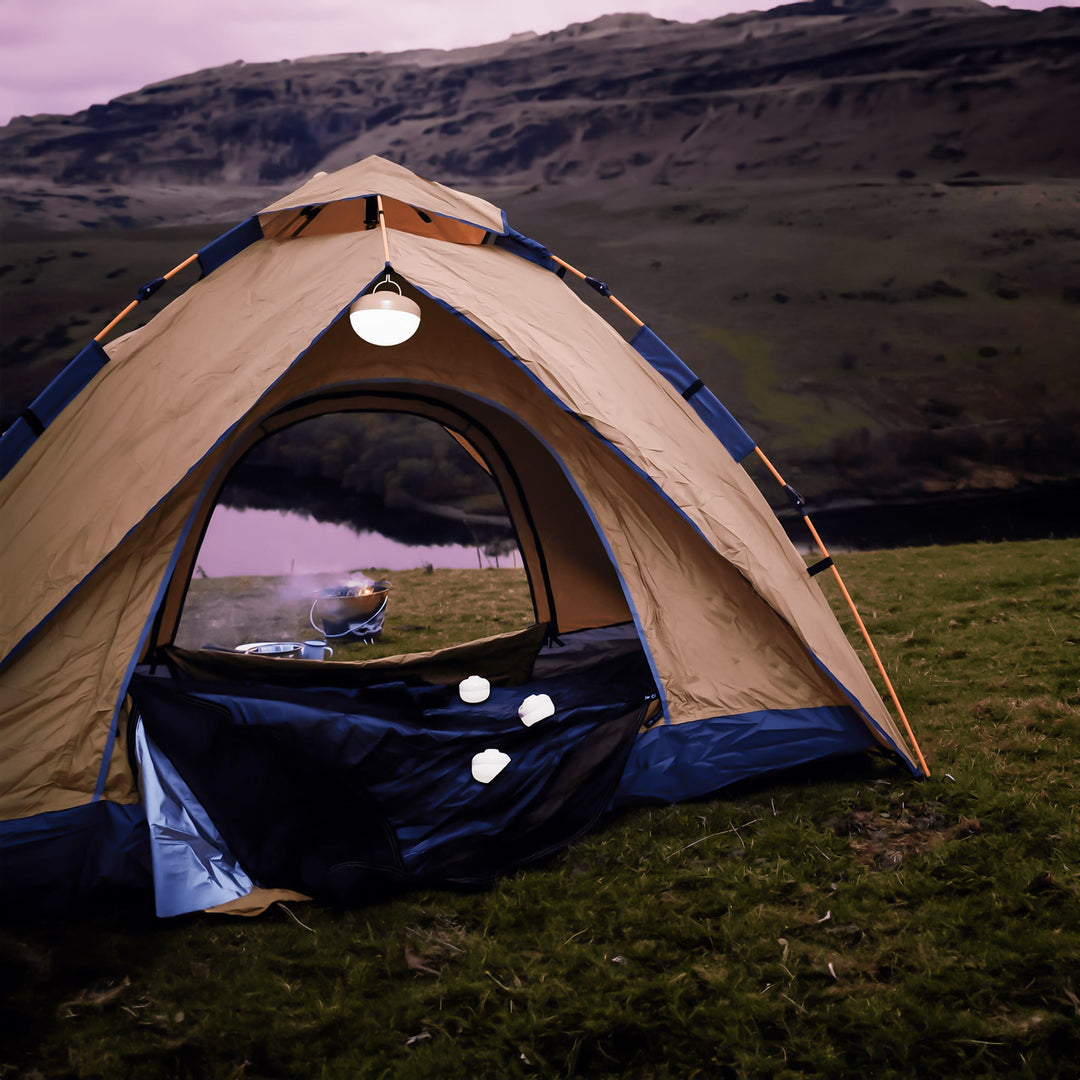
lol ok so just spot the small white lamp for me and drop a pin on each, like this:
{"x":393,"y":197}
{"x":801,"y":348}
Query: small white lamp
{"x":384,"y":317}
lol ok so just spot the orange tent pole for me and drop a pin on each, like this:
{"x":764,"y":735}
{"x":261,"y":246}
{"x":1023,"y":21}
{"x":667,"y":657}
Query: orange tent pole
{"x":138,"y":300}
{"x":858,"y":619}
{"x":119,"y":319}
{"x":603,"y":289}
{"x":382,"y":227}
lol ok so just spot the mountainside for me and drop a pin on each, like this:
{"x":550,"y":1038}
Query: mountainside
{"x":807,"y":89}
{"x":857,"y":221}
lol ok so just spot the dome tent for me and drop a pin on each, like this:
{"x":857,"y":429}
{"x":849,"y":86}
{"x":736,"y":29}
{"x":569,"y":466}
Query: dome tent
{"x":689,"y":645}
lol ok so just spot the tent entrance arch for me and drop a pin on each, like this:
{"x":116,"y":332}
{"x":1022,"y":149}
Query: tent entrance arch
{"x":573,"y":582}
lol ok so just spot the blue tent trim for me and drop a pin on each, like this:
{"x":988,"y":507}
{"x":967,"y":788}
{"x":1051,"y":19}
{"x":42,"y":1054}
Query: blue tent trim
{"x":49,"y":403}
{"x":18,"y":438}
{"x":526,"y":248}
{"x":58,"y":861}
{"x":675,"y":762}
{"x":220,"y":251}
{"x":74,"y":378}
{"x":703,"y":401}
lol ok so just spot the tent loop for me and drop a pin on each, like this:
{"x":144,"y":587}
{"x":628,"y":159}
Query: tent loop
{"x":600,"y":288}
{"x":144,"y":293}
{"x":387,"y":280}
{"x":33,"y":421}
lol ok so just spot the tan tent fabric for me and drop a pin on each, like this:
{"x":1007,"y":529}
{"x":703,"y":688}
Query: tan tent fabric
{"x":59,"y":696}
{"x":168,"y":394}
{"x":730,"y":618}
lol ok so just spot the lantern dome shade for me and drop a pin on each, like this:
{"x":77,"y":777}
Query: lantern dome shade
{"x":384,"y":317}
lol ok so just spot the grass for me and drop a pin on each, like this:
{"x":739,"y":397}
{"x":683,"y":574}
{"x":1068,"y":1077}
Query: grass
{"x":844,"y":921}
{"x":425,"y":610}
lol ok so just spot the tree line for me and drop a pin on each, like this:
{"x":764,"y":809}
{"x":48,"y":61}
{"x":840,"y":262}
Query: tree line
{"x":399,"y":475}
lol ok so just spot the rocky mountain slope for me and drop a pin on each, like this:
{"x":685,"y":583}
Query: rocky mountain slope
{"x":807,"y":89}
{"x":856,"y":220}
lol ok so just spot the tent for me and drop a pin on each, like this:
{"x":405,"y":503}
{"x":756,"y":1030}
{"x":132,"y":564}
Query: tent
{"x":678,"y":631}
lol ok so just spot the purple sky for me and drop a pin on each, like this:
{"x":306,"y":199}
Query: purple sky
{"x":60,"y":56}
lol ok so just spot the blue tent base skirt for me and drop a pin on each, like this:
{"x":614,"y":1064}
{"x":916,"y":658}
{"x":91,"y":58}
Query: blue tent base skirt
{"x":673,"y":763}
{"x":348,"y":794}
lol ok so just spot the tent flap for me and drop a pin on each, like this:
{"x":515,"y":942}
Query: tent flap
{"x":193,"y":869}
{"x":342,"y":792}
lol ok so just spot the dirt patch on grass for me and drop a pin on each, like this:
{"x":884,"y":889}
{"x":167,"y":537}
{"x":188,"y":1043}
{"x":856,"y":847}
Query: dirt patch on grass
{"x":886,"y":838}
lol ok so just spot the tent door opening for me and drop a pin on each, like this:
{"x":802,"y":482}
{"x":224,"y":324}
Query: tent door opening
{"x":510,"y":490}
{"x":341,"y":781}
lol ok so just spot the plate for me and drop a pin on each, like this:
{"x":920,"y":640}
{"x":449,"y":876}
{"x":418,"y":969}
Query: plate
{"x":271,"y":648}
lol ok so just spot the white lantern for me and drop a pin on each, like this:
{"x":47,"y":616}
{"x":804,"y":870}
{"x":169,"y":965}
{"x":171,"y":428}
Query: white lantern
{"x":385,"y":317}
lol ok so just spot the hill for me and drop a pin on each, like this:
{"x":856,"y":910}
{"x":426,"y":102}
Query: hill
{"x":857,"y":221}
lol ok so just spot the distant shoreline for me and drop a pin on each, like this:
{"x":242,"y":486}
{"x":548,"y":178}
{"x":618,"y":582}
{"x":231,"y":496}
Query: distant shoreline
{"x":1034,"y":512}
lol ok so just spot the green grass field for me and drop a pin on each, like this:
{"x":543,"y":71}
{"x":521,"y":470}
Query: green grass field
{"x":843,"y":922}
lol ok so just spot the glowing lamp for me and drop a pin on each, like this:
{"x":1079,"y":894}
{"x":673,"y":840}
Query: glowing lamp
{"x":383,"y":316}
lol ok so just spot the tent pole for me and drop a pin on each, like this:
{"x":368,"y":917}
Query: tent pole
{"x":604,"y":290}
{"x":382,"y":228}
{"x":145,"y":293}
{"x":119,"y":319}
{"x":858,"y":618}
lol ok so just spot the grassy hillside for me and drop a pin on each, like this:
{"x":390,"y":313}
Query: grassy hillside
{"x":855,"y":221}
{"x":839,"y":923}
{"x":879,"y":339}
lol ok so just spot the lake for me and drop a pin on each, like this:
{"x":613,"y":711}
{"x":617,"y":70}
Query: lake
{"x":266,"y":542}
{"x":1037,"y":512}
